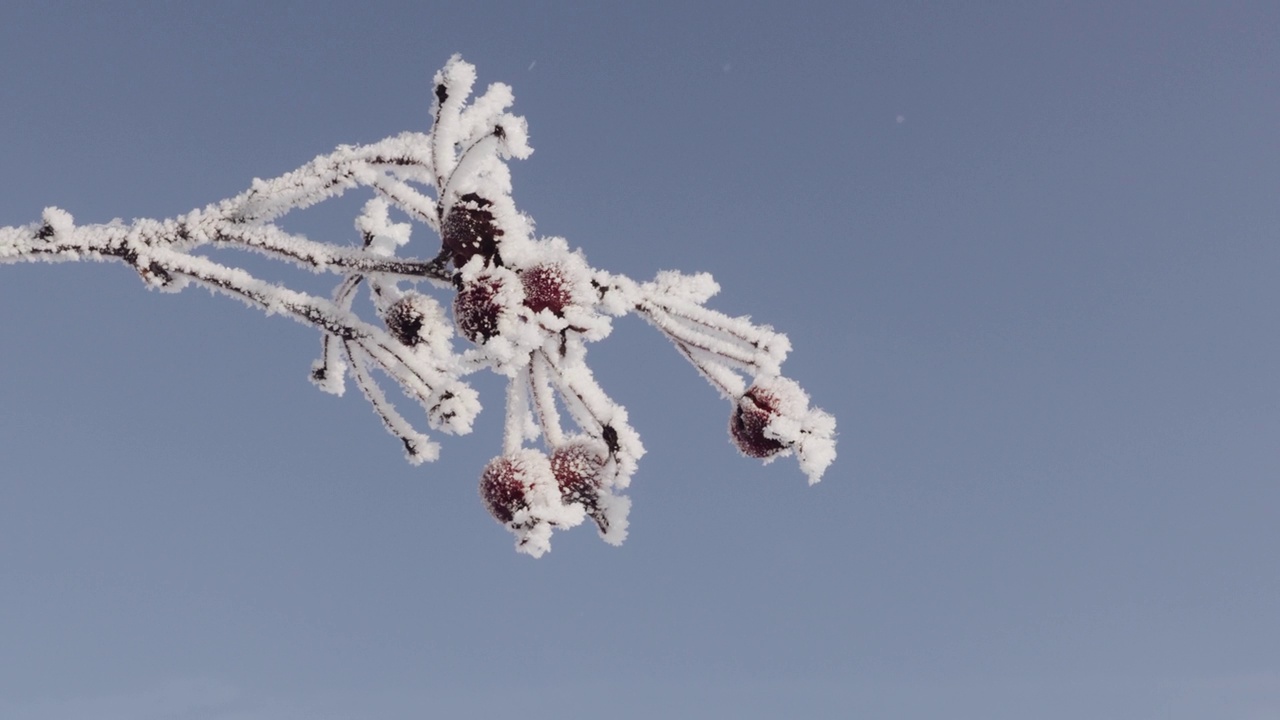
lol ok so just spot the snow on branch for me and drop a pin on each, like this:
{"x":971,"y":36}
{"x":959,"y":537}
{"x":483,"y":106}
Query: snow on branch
{"x":525,"y":307}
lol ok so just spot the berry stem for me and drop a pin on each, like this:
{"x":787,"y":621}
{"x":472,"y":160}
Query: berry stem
{"x":519,"y":421}
{"x":698,"y":337}
{"x":417,"y":446}
{"x":329,"y":372}
{"x":728,"y":383}
{"x":598,"y":416}
{"x":414,"y":203}
{"x":318,"y":256}
{"x":544,"y":400}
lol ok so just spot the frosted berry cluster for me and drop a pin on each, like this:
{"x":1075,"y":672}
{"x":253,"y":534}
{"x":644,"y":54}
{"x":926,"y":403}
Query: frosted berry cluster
{"x":521,"y":305}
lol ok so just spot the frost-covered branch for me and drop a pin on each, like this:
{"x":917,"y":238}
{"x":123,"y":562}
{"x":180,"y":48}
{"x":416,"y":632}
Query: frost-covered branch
{"x":525,"y":306}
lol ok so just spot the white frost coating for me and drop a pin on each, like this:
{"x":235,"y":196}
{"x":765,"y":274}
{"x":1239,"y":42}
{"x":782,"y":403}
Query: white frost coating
{"x":674,"y":285}
{"x":546,"y":304}
{"x":328,"y":372}
{"x":532,"y":525}
{"x":817,"y":446}
{"x":807,"y":432}
{"x":418,"y":448}
{"x":58,"y":221}
{"x":615,"y":509}
{"x":521,"y":425}
{"x":381,"y":236}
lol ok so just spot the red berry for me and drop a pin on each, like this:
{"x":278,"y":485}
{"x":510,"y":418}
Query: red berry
{"x":477,"y":308}
{"x":546,"y":288}
{"x":755,"y":409}
{"x":404,"y":319}
{"x":504,"y":488}
{"x":468,"y":230}
{"x":576,"y":467}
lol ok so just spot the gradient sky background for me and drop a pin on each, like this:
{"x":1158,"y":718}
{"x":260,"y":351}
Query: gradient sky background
{"x":1026,"y":254}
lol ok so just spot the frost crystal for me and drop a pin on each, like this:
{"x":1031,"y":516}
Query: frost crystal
{"x":525,"y":307}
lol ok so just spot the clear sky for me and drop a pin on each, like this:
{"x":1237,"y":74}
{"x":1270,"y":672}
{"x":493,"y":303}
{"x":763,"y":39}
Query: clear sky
{"x":1026,"y":253}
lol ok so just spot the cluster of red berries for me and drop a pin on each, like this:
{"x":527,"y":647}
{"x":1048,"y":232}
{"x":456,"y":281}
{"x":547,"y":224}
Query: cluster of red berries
{"x":485,"y":299}
{"x":528,"y":304}
{"x":510,"y":482}
{"x":527,"y":490}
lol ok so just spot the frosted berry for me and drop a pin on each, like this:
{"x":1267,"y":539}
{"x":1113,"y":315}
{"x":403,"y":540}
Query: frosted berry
{"x":405,"y":319}
{"x":468,"y":230}
{"x":755,"y":409}
{"x":546,"y":288}
{"x":504,"y":488}
{"x":576,"y":467}
{"x":477,"y":308}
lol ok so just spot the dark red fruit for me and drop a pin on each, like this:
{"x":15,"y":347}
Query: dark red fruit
{"x":576,"y":467}
{"x":546,"y":288}
{"x":468,"y":230}
{"x":504,"y":489}
{"x":755,"y":409}
{"x":476,"y":309}
{"x":404,"y":320}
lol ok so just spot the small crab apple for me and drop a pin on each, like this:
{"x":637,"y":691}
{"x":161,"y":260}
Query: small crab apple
{"x":504,"y":487}
{"x":576,"y":466}
{"x":757,"y":407}
{"x":468,"y":230}
{"x":407,"y":317}
{"x":546,"y":287}
{"x":479,"y":306}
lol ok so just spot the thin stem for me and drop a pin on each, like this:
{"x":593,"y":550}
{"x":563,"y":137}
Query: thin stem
{"x":322,"y":256}
{"x":696,"y":337}
{"x":517,"y":421}
{"x":544,"y":401}
{"x":725,"y":381}
{"x":417,"y":446}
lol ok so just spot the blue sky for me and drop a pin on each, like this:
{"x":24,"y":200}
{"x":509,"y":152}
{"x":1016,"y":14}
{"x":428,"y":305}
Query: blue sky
{"x":1025,"y":253}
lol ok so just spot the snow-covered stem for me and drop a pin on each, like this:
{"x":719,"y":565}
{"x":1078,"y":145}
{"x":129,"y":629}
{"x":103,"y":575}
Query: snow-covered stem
{"x":544,"y":401}
{"x":417,"y":447}
{"x":723,"y":379}
{"x":519,"y":425}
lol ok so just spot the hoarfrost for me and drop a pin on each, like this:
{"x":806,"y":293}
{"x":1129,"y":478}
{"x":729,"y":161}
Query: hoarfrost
{"x":525,"y":306}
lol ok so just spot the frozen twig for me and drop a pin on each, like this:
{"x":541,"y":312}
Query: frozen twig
{"x":526,"y":306}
